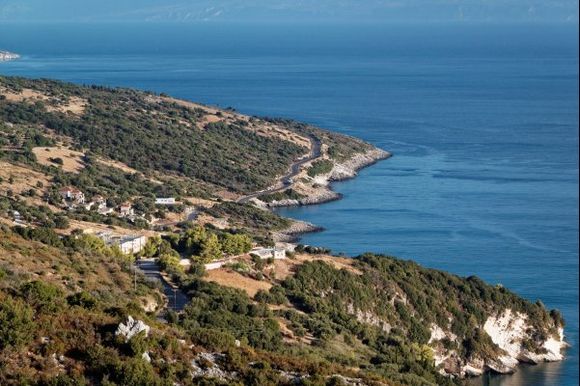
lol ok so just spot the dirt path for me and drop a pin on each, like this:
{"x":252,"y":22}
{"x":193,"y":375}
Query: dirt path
{"x":286,"y":181}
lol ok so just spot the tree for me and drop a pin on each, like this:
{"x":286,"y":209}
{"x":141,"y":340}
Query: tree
{"x":42,"y":296}
{"x":169,"y":261}
{"x":193,"y":239}
{"x":16,"y":325}
{"x":236,"y":244}
{"x":151,"y":247}
{"x":210,"y":249}
{"x":61,"y":222}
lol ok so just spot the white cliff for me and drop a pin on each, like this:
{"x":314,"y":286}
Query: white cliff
{"x":512,"y":333}
{"x":510,"y":330}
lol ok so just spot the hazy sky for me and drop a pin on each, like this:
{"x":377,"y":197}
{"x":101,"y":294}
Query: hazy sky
{"x":275,"y":10}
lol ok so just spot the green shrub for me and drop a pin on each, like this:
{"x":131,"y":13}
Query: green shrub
{"x":82,"y":299}
{"x":212,"y":339}
{"x":320,"y":167}
{"x":42,"y":296}
{"x":16,"y":323}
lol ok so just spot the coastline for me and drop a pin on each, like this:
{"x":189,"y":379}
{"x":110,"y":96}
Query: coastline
{"x":322,"y":191}
{"x":340,"y":172}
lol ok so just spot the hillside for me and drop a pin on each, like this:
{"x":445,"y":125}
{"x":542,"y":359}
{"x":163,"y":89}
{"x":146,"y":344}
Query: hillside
{"x":92,"y":178}
{"x":157,"y":134}
{"x":315,"y":319}
{"x":122,"y":146}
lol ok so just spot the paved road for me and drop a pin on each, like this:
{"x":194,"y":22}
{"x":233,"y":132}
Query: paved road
{"x":286,"y":181}
{"x":176,"y":298}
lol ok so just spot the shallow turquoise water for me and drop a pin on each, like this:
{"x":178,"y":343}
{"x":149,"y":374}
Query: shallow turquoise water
{"x":482,"y":121}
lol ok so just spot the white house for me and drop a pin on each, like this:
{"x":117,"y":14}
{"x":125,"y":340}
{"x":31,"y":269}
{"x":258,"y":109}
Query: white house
{"x":186,"y":263}
{"x":72,"y":194}
{"x":132,"y":244}
{"x":165,"y":201}
{"x":18,"y":219}
{"x":127,"y":244}
{"x":266,"y":253}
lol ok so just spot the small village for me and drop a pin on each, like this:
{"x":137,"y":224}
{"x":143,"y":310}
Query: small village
{"x":133,"y":244}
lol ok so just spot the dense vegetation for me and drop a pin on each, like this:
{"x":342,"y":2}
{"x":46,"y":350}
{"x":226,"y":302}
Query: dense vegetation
{"x":288,"y":194}
{"x":154,"y":134}
{"x":399,"y":300}
{"x":257,"y":222}
{"x":199,"y":244}
{"x":59,"y":329}
{"x":320,"y":167}
{"x":175,"y":149}
{"x":374,"y":317}
{"x":340,"y":147}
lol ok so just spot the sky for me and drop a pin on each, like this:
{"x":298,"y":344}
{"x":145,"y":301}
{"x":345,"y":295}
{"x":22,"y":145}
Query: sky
{"x":564,"y":11}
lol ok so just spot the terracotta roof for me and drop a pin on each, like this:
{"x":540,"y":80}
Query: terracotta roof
{"x":70,"y":189}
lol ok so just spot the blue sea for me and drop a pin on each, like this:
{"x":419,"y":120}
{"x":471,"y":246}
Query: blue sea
{"x":482,"y":121}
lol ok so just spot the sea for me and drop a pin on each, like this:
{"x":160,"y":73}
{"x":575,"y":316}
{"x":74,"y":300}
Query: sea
{"x":481,"y":119}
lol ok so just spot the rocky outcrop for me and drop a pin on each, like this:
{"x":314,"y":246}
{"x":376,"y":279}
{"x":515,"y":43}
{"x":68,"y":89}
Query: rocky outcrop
{"x":320,"y":196}
{"x":318,"y":190}
{"x":206,"y":365}
{"x":368,"y":317}
{"x":517,"y":342}
{"x":510,"y":330}
{"x":349,"y":168}
{"x":131,"y":328}
{"x":292,"y":233}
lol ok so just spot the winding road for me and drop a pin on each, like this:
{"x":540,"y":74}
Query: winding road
{"x":176,"y":298}
{"x":286,"y":180}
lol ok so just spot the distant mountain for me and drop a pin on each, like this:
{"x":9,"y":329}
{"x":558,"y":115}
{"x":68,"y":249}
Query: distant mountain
{"x":267,"y":10}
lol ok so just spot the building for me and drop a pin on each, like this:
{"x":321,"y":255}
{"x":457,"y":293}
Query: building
{"x":106,"y":236}
{"x":127,"y":244}
{"x":126,"y":210}
{"x":165,"y":201}
{"x":266,"y":253}
{"x":72,"y":194}
{"x":18,"y":221}
{"x":131,"y":244}
{"x":98,"y":199}
{"x":104,"y":209}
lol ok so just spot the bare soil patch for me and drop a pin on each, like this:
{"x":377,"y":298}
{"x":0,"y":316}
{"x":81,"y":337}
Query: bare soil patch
{"x":91,"y":228}
{"x":73,"y":105}
{"x":229,"y":278}
{"x":71,"y":159}
{"x":118,"y":165}
{"x":23,"y":178}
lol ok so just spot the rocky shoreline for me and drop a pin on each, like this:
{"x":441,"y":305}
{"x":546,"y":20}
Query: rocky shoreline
{"x":510,"y":331}
{"x":342,"y":171}
{"x":293,"y":232}
{"x":324,"y":193}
